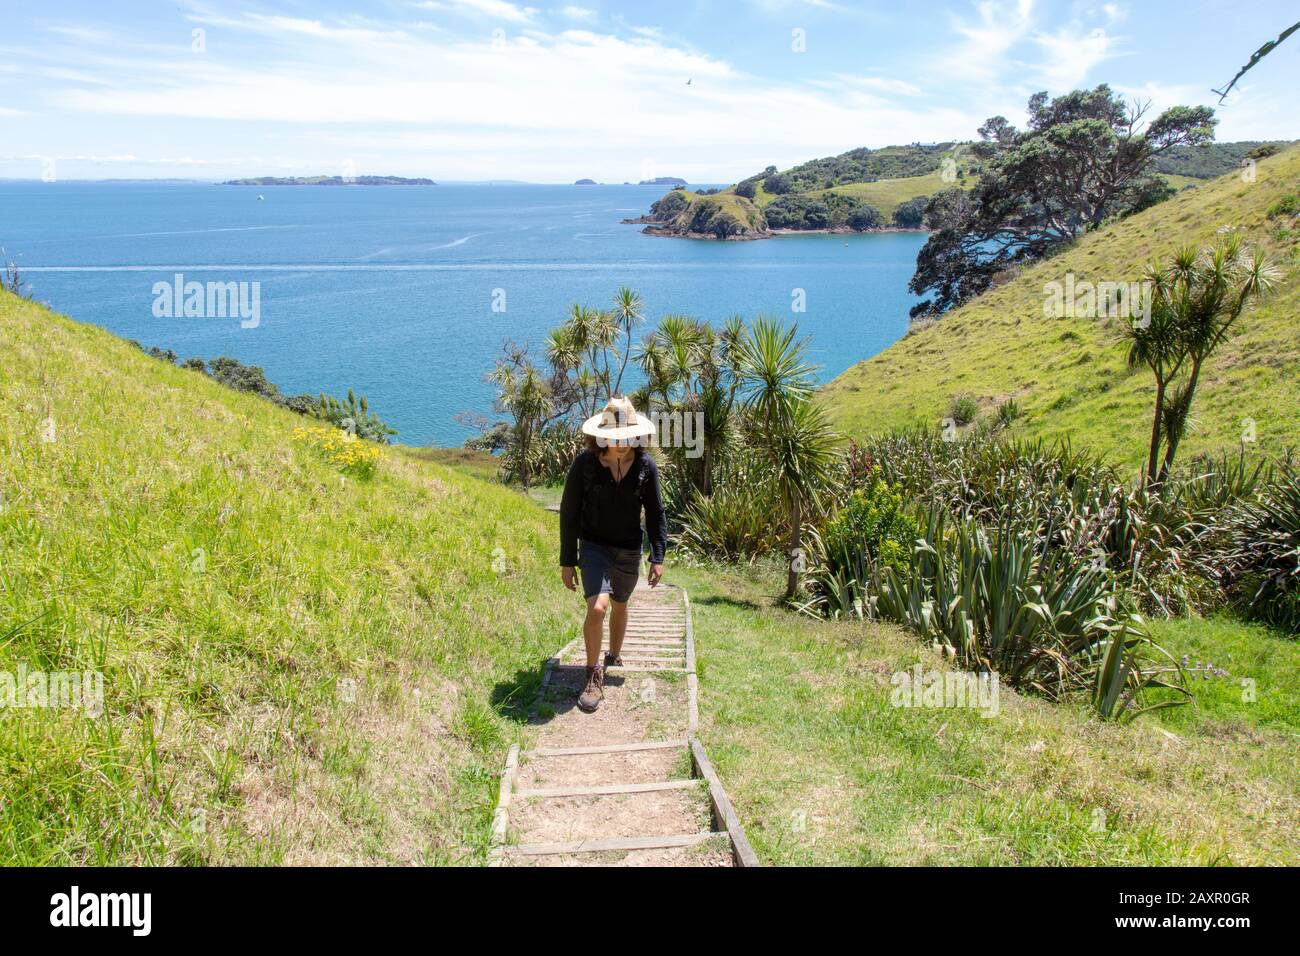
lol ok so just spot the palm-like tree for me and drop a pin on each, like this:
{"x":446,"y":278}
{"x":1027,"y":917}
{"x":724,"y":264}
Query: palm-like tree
{"x":1155,"y":343}
{"x":793,"y":430}
{"x":628,"y":312}
{"x":523,"y":391}
{"x":1208,"y":294}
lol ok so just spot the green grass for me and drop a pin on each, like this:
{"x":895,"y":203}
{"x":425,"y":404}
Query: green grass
{"x":1180,"y":182}
{"x":888,"y":194}
{"x":299,"y":666}
{"x":1069,"y":375}
{"x":823,"y":770}
{"x":478,"y":464}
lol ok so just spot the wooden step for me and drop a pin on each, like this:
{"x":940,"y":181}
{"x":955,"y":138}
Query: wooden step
{"x":604,"y":748}
{"x":547,"y":793}
{"x":615,"y":844}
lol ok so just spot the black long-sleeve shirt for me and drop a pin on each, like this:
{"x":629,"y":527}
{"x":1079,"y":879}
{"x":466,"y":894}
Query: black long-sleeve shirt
{"x":596,"y":508}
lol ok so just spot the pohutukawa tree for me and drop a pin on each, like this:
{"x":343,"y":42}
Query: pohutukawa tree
{"x":1084,"y":157}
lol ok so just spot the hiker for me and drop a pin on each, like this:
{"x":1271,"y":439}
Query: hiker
{"x":609,"y":483}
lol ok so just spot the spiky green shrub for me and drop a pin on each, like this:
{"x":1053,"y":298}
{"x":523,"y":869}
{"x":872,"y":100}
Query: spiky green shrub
{"x":1167,"y":547}
{"x":734,"y":523}
{"x":1046,"y":623}
{"x":550,"y":454}
{"x":1265,"y":561}
{"x":1009,"y":412}
{"x":353,"y":415}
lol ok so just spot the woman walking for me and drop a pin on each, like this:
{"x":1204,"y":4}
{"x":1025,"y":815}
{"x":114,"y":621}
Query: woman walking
{"x":609,"y":484}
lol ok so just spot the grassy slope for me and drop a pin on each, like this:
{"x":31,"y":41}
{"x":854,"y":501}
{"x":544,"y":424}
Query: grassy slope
{"x":1068,"y":374}
{"x":228,"y":735}
{"x":823,"y":770}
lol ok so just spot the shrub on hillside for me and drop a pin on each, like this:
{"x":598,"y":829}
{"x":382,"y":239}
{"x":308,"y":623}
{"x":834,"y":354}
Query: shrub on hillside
{"x":777,"y":184}
{"x":911,"y":214}
{"x":1009,"y":412}
{"x":1168,"y":550}
{"x":549,"y":455}
{"x":351,"y":415}
{"x":669,"y":205}
{"x":1047,"y":623}
{"x":731,"y":524}
{"x":865,"y":217}
{"x":1265,"y":556}
{"x":872,"y":523}
{"x":963,"y":410}
{"x":1286,"y":206}
{"x":871,"y":530}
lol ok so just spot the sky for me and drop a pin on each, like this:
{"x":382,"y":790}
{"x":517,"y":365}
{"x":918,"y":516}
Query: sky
{"x":491,"y":89}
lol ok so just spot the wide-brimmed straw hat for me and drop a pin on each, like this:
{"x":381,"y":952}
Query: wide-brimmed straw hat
{"x":618,"y":421}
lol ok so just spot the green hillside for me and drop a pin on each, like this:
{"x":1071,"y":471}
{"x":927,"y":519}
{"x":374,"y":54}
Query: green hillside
{"x":1069,"y":375}
{"x":303,"y":666}
{"x":1212,"y":159}
{"x":299,"y":665}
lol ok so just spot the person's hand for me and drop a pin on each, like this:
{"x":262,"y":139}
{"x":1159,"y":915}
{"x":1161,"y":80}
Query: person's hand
{"x":656,"y":574}
{"x":566,"y":575}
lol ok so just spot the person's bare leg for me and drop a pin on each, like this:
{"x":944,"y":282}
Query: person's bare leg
{"x":617,"y":626}
{"x":593,"y":628}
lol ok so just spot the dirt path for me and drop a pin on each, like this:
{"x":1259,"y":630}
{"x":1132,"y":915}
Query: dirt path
{"x":628,"y":785}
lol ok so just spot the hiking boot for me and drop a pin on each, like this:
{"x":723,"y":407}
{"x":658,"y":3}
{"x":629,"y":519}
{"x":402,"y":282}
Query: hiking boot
{"x":613,"y":660}
{"x":594,"y":692}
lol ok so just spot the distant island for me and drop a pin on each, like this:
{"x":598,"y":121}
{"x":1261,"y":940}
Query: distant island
{"x":659,"y":181}
{"x":329,"y":181}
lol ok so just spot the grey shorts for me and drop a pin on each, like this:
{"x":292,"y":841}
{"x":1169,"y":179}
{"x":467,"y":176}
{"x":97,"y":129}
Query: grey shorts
{"x":607,"y":570}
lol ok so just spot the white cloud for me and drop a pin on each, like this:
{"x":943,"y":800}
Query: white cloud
{"x":999,"y":27}
{"x":1115,"y":14}
{"x":879,"y":84}
{"x":1071,"y":55}
{"x":492,"y":9}
{"x":558,"y":105}
{"x":543,"y":102}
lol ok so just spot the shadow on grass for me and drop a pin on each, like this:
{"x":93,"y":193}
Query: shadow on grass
{"x":718,"y":600}
{"x":513,"y":698}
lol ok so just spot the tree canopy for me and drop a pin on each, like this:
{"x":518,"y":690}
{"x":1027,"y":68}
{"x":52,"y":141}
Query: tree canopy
{"x":1083,"y":157}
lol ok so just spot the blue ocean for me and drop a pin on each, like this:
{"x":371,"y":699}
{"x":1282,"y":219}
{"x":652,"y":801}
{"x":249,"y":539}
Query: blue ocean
{"x":407,"y":293}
